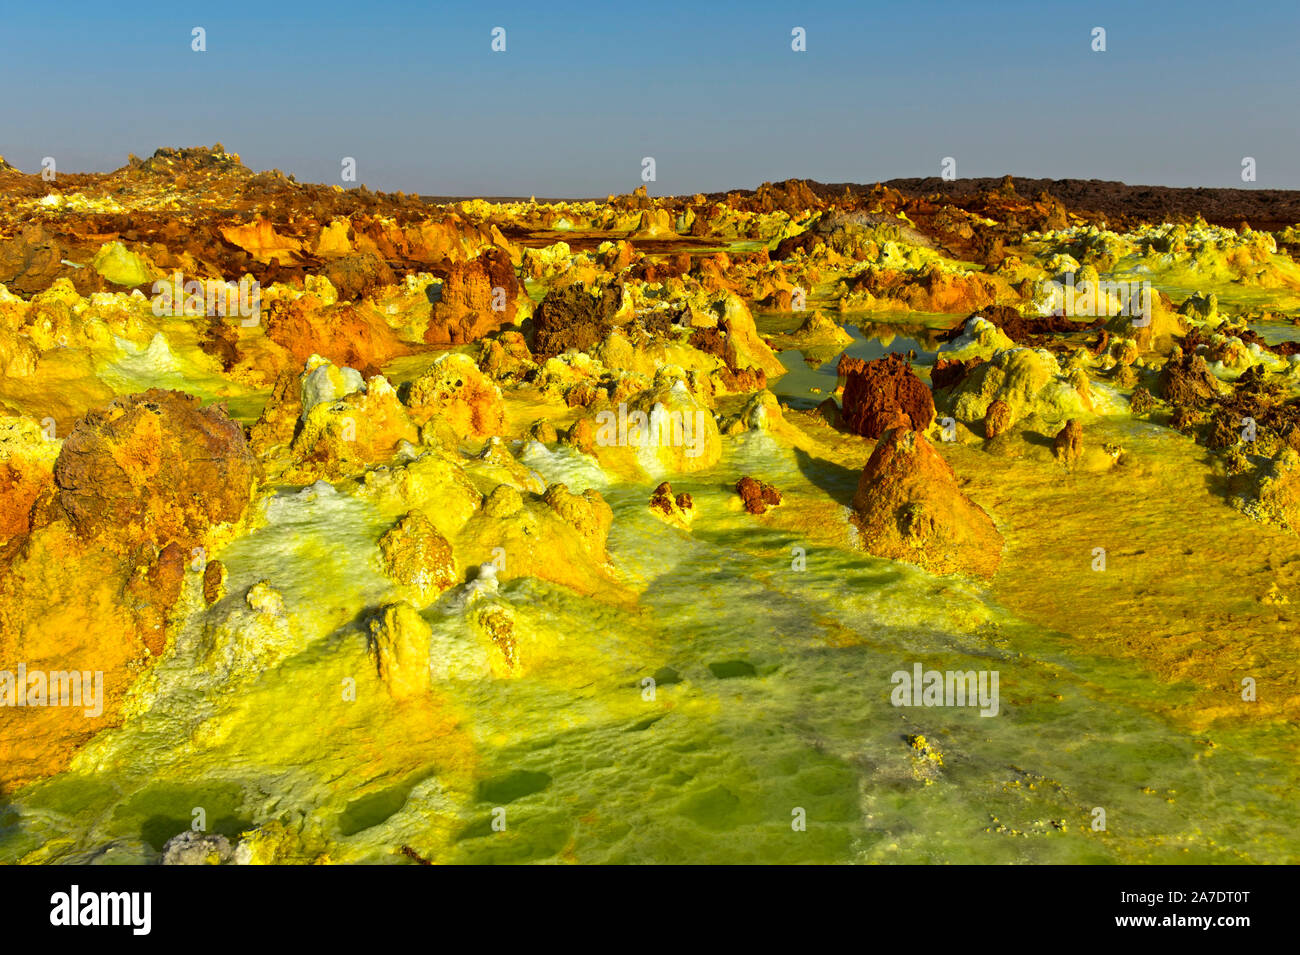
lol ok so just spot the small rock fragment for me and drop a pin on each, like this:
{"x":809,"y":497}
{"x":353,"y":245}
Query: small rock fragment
{"x":757,"y":495}
{"x":997,"y":418}
{"x":1068,"y":444}
{"x":678,"y":510}
{"x":214,"y":581}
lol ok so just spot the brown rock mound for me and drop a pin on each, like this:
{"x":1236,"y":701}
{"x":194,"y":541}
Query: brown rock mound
{"x":908,"y":507}
{"x":278,"y":422}
{"x":221,"y":341}
{"x":1141,"y":401}
{"x":21,"y":483}
{"x":214,"y":582}
{"x":883,"y":394}
{"x":787,"y":247}
{"x":1025,"y":329}
{"x":677,"y":509}
{"x":357,"y":274}
{"x":571,"y":317}
{"x":716,"y":342}
{"x":469,"y":307}
{"x":31,"y":261}
{"x":793,"y":196}
{"x":1185,"y":379}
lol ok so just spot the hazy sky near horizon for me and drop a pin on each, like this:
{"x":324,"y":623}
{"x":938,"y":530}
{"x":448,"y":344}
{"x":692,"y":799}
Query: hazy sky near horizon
{"x":714,"y":92}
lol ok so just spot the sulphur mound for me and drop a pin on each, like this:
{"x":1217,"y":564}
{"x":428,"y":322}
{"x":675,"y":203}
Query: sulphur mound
{"x":662,"y":430}
{"x":456,"y":392}
{"x":123,"y":267}
{"x":417,"y":556}
{"x":138,"y":487}
{"x":1029,"y":381}
{"x":341,"y":437}
{"x":979,"y":338}
{"x":819,"y":330}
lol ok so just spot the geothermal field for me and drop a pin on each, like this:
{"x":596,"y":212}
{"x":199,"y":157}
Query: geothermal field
{"x":927,"y":521}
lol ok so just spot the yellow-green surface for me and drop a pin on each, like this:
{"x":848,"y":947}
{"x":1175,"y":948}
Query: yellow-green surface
{"x":773,"y":694}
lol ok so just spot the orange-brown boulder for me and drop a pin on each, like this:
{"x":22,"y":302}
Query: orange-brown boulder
{"x":948,"y":372}
{"x":572,"y":317}
{"x":260,"y":240}
{"x":153,"y":467}
{"x":883,"y":394}
{"x":278,"y":422}
{"x":358,"y":274}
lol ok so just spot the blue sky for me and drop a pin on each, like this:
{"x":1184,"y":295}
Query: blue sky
{"x":713,"y":92}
